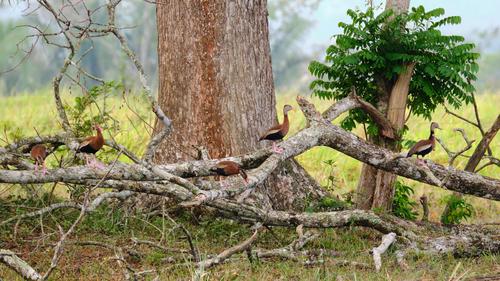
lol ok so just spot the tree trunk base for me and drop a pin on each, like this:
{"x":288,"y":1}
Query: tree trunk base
{"x":290,"y":187}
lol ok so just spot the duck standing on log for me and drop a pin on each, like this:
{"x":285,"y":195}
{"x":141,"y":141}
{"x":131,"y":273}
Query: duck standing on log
{"x":278,"y":132}
{"x":39,"y":153}
{"x":229,"y":168}
{"x":90,"y":146}
{"x":424,"y":147}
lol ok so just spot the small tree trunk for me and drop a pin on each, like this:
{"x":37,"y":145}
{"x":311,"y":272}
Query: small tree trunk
{"x":216,"y":83}
{"x":376,"y":187}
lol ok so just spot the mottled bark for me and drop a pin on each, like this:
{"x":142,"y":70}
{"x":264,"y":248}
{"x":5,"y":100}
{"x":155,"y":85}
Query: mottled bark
{"x":376,"y":187}
{"x":216,"y":83}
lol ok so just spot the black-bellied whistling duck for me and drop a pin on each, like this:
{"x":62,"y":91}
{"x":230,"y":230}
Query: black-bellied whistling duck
{"x":90,"y":146}
{"x":39,"y":153}
{"x":424,"y":147}
{"x":278,"y":132}
{"x":229,"y":168}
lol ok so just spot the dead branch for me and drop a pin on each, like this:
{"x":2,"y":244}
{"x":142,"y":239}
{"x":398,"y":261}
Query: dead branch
{"x":294,"y":251}
{"x":42,"y":211}
{"x":483,"y":146}
{"x":353,"y":101}
{"x":319,"y":133}
{"x":158,"y":246}
{"x":387,"y":240}
{"x":425,"y":208}
{"x":453,"y":155}
{"x":11,"y":260}
{"x":224,"y":255}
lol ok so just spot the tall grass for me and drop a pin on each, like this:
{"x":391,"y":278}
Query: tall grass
{"x":21,"y":114}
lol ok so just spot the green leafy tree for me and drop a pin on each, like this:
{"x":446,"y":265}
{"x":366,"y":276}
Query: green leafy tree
{"x":390,"y":57}
{"x":371,"y":52}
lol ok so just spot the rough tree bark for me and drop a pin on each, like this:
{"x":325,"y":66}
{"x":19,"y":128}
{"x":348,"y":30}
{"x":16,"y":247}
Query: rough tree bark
{"x":376,"y":187}
{"x":216,"y":83}
{"x":483,"y":146}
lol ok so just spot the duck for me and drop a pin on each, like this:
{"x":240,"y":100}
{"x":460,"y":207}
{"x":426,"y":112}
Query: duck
{"x":39,"y":153}
{"x":90,"y":146}
{"x":229,"y":168}
{"x":424,"y":147}
{"x":279,"y":131}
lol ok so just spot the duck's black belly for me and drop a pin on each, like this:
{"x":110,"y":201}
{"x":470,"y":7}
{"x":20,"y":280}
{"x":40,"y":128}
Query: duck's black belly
{"x":275,"y":136}
{"x":221,"y":172}
{"x":424,"y":152}
{"x":87,"y":149}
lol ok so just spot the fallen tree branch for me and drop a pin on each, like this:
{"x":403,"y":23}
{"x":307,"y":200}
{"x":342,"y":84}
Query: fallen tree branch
{"x":42,"y":211}
{"x":21,"y":267}
{"x":319,"y":133}
{"x":220,"y":258}
{"x":377,"y":252}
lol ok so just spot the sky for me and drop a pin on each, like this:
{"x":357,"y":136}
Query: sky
{"x":476,"y":16}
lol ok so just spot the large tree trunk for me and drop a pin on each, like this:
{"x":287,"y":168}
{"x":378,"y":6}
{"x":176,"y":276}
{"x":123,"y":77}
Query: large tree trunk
{"x":376,"y":187}
{"x":215,"y":82}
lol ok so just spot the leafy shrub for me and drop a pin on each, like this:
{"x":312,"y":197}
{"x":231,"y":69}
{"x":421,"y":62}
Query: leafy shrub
{"x":91,"y":108}
{"x":457,"y":210}
{"x":402,"y":205}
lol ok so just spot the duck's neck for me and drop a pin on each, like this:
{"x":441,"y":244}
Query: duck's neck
{"x":285,"y":118}
{"x":99,"y":136}
{"x":431,"y":137}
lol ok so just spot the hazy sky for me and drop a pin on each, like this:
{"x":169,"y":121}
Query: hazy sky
{"x":476,"y":15}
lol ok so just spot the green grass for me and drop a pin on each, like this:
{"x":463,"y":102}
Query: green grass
{"x":20,"y":114}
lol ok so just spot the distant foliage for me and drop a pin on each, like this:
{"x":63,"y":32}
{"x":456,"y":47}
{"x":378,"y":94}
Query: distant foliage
{"x":372,"y":50}
{"x":458,"y":209}
{"x":402,"y":205}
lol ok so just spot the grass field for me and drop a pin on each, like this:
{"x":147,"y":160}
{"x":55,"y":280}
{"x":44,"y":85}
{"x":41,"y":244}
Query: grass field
{"x":19,"y":115}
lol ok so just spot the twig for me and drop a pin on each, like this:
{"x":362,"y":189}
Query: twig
{"x":425,"y":207}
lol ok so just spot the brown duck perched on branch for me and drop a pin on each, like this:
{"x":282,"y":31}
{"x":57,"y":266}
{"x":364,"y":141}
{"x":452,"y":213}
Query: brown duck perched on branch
{"x":424,"y":147}
{"x":90,"y":146}
{"x":39,"y":153}
{"x":278,"y":132}
{"x":229,"y":168}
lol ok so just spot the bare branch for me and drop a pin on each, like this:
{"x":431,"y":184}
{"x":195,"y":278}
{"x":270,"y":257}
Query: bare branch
{"x":42,"y":211}
{"x":387,"y":240}
{"x":483,"y":146}
{"x":11,"y":260}
{"x":220,"y":258}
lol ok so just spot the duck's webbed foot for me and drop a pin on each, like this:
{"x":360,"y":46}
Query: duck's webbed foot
{"x":277,"y":149}
{"x":44,"y":169}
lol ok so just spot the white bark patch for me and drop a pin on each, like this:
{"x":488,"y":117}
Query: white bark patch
{"x":387,"y":240}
